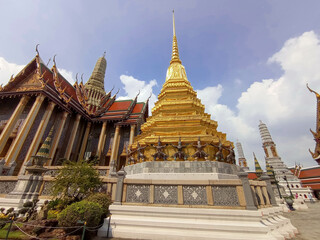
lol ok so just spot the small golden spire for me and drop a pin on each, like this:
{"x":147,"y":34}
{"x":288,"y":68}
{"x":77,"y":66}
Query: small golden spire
{"x":175,"y":51}
{"x":174,"y":26}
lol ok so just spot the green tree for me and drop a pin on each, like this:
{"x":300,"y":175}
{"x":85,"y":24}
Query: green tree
{"x":75,"y":181}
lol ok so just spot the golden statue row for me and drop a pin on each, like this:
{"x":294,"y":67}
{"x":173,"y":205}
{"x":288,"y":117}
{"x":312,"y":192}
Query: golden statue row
{"x":161,"y":152}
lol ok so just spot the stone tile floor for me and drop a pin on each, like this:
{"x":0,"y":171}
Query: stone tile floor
{"x":306,"y":221}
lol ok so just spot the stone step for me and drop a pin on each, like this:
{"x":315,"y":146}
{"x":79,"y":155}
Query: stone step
{"x":195,"y":224}
{"x":173,"y":234}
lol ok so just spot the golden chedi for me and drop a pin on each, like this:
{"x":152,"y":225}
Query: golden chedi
{"x":179,"y":129}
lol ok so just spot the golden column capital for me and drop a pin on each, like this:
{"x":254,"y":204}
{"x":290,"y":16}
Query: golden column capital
{"x":25,"y":99}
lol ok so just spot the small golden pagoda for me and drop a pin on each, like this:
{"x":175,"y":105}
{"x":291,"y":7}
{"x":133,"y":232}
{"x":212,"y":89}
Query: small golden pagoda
{"x":179,"y":126}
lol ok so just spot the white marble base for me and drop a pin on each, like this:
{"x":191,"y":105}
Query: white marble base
{"x":144,"y":222}
{"x":184,"y":176}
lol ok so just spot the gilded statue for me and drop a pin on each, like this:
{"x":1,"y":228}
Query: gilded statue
{"x":159,"y":151}
{"x":219,"y":155}
{"x":140,"y":155}
{"x":130,"y":153}
{"x":231,"y":156}
{"x":200,"y":153}
{"x":179,"y":154}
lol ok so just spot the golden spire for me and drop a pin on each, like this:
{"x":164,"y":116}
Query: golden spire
{"x":175,"y":51}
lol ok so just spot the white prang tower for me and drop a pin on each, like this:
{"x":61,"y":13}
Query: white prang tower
{"x":280,"y":169}
{"x":241,"y":158}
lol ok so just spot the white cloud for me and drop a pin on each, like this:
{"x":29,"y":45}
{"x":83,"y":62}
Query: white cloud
{"x":132,"y":86}
{"x":7,"y":69}
{"x":284,"y":104}
{"x":67,"y":75}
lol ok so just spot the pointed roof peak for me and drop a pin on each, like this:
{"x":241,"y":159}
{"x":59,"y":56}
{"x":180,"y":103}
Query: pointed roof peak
{"x":175,"y":51}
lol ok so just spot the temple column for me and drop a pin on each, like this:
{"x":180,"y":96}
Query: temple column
{"x":114,"y":150}
{"x":101,"y":140}
{"x":5,"y":134}
{"x":84,"y":141}
{"x":40,"y":131}
{"x":72,"y":137}
{"x":22,"y":135}
{"x":56,"y":138}
{"x":132,"y":128}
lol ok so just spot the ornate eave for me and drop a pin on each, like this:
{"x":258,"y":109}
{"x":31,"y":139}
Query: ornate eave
{"x":316,"y":134}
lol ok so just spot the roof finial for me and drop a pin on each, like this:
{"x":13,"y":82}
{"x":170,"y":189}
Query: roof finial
{"x":37,"y":49}
{"x":175,"y":51}
{"x":104,"y":54}
{"x":54,"y":59}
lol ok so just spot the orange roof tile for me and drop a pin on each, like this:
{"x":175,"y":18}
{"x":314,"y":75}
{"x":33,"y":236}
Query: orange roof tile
{"x":138,"y":108}
{"x":123,"y":105}
{"x":308,"y":173}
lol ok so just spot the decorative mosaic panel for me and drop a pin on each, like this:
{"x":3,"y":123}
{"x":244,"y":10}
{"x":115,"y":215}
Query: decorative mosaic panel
{"x":102,"y":172}
{"x":52,"y":173}
{"x":7,"y":187}
{"x":47,"y":189}
{"x":225,"y":196}
{"x":194,"y":195}
{"x":138,"y":193}
{"x":164,"y":194}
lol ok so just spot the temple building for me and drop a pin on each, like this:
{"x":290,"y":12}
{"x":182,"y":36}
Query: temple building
{"x":309,"y":177}
{"x":87,"y":122}
{"x":283,"y":175}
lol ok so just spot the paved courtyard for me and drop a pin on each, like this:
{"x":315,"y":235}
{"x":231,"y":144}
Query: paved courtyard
{"x":307,"y":222}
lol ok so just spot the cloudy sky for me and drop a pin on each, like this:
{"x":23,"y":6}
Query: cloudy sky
{"x":248,"y":60}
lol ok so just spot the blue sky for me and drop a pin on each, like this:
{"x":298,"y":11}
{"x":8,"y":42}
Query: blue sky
{"x":249,"y":60}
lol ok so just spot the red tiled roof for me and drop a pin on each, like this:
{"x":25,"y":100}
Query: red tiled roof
{"x":309,"y":173}
{"x":138,"y":108}
{"x":312,"y":180}
{"x":48,"y":76}
{"x":121,"y":105}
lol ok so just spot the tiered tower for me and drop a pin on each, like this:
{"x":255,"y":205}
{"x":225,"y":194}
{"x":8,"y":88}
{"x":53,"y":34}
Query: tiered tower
{"x":283,"y":175}
{"x":241,"y":158}
{"x":95,"y":84}
{"x":179,"y":117}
